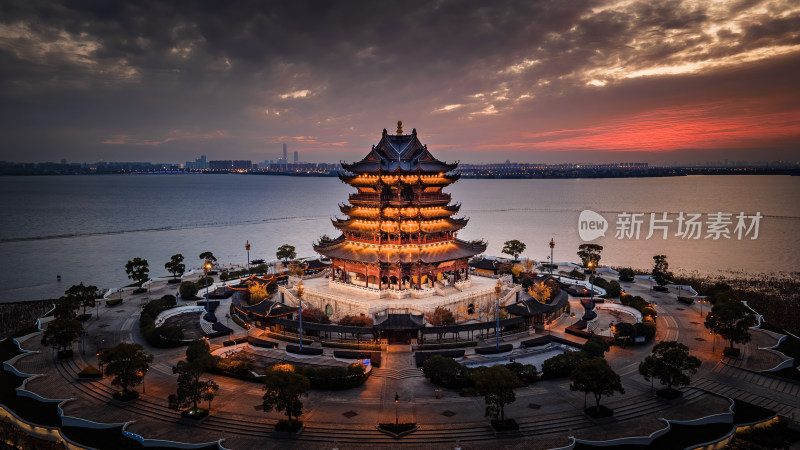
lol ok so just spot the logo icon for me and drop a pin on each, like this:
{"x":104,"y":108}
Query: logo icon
{"x":591,"y":225}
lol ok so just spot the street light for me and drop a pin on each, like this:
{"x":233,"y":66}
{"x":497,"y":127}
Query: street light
{"x":552,"y":245}
{"x":300,"y":291}
{"x":498,"y":289}
{"x":206,"y":268}
{"x":396,"y":401}
{"x":142,"y":373}
{"x":247,"y":247}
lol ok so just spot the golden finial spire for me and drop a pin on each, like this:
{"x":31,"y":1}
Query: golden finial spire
{"x":399,"y":127}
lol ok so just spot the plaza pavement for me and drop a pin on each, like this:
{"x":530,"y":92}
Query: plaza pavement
{"x":547,"y":411}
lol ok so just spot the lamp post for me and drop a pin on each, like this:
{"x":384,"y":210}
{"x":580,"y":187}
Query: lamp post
{"x":552,"y":246}
{"x":498,"y":290}
{"x":206,"y":268}
{"x":701,"y":306}
{"x":142,"y":373}
{"x":396,"y":401}
{"x":247,"y":247}
{"x":591,"y":298}
{"x":300,"y":291}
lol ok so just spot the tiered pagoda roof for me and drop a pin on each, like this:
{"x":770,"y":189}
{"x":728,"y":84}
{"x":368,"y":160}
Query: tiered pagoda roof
{"x":399,"y":213}
{"x":399,"y":153}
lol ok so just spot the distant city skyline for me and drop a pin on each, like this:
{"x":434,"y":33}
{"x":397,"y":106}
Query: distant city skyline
{"x":598,"y":82}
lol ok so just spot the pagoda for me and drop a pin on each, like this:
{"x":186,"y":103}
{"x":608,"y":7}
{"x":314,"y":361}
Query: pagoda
{"x":399,"y":236}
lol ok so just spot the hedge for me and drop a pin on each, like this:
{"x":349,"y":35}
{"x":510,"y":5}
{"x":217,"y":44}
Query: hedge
{"x":285,"y":338}
{"x":492,"y":350}
{"x":352,"y":346}
{"x":113,"y":302}
{"x":373,"y":357}
{"x":311,"y":351}
{"x":447,"y":345}
{"x":90,"y":372}
{"x":334,"y":377}
{"x":421,"y":357}
{"x":163,"y":336}
{"x":686,"y":300}
{"x":260,"y":342}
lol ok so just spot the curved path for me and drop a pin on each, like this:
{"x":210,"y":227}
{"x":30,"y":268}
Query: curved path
{"x":547,"y":411}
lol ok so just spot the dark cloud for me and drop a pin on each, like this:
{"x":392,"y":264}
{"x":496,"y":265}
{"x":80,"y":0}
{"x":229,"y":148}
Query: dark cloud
{"x":153,"y":80}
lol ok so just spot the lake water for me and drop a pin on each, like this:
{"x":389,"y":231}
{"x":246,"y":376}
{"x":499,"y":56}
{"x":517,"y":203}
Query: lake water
{"x":85,"y":228}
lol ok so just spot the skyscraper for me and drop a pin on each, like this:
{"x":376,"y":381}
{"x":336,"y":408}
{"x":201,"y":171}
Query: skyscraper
{"x":296,"y":158}
{"x":285,"y":156}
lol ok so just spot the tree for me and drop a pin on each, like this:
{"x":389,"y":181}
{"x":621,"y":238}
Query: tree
{"x":84,"y":296}
{"x":210,"y":391}
{"x":65,"y":307}
{"x":647,"y":369}
{"x":661,"y":273}
{"x":541,"y":292}
{"x":595,"y":347}
{"x":208,"y":258}
{"x":137,"y":270}
{"x":191,"y":389}
{"x":285,"y":253}
{"x":128,"y":363}
{"x":594,"y":376}
{"x":283,"y":390}
{"x":731,"y":319}
{"x":311,"y":314}
{"x":440,"y":316}
{"x":513,"y":248}
{"x":671,"y":363}
{"x":175,"y":266}
{"x":200,"y":352}
{"x":496,"y":384}
{"x":61,"y":332}
{"x":589,"y":253}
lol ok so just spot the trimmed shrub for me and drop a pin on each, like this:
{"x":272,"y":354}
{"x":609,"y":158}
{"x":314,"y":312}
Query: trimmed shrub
{"x":284,"y":338}
{"x":491,"y":350}
{"x":311,"y":351}
{"x":90,"y":372}
{"x":397,"y":428}
{"x":505,"y":425}
{"x":113,"y":302}
{"x":613,"y":289}
{"x":626,"y":274}
{"x":188,"y":290}
{"x":285,"y":426}
{"x":646,"y":329}
{"x":352,"y":346}
{"x":447,"y":345}
{"x":686,"y":300}
{"x":577,"y":274}
{"x":334,"y":377}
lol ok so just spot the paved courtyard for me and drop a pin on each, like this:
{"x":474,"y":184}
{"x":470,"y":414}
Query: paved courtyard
{"x":547,"y":411}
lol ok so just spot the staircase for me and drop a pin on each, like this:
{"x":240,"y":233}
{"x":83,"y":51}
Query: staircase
{"x":397,"y":374}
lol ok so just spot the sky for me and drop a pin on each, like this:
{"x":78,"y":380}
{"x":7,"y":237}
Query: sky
{"x":655,"y":81}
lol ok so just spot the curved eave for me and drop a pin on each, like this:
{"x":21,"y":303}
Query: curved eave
{"x":456,"y":249}
{"x":394,"y":167}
